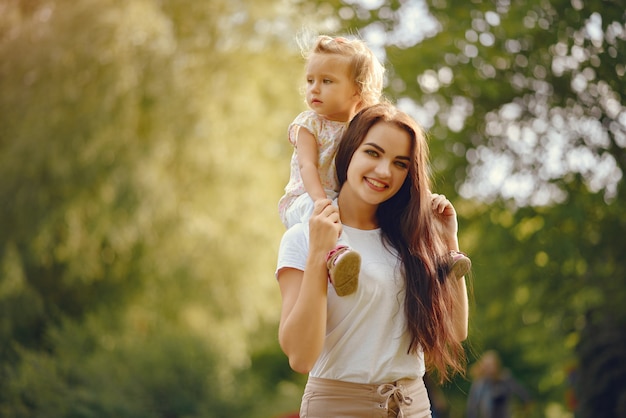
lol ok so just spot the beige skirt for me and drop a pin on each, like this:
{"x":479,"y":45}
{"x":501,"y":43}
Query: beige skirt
{"x":324,"y":398}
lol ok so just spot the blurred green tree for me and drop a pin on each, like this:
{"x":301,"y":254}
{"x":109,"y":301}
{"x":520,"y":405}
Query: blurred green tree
{"x":600,"y":376}
{"x":139,"y":146}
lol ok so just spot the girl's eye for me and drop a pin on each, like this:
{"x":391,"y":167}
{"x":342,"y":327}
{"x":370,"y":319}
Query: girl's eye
{"x":327,"y":81}
{"x":371,"y":153}
{"x":402,"y":164}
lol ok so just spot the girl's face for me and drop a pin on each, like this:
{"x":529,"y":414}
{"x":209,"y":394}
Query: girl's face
{"x":379,"y":165}
{"x":330,"y":91}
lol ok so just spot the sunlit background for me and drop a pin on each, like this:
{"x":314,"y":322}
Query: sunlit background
{"x":143,"y":151}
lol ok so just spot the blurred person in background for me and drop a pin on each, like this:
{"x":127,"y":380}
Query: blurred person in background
{"x":493,"y":389}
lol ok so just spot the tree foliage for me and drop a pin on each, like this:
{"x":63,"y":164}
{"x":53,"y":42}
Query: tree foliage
{"x":138,"y":150}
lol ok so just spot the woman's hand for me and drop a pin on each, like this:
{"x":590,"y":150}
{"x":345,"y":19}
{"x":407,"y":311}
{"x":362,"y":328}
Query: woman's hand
{"x":446,"y":224}
{"x":324,"y":227}
{"x":445,"y":220}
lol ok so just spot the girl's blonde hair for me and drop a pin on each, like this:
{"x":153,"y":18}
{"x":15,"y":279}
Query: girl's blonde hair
{"x":365,"y":69}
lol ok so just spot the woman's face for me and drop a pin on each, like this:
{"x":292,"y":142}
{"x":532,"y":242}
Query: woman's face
{"x":379,"y":165}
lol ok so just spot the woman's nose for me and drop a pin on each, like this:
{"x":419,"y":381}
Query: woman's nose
{"x":382,"y":169}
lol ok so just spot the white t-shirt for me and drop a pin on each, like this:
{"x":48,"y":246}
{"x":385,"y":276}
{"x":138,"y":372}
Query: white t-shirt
{"x":366,"y":336}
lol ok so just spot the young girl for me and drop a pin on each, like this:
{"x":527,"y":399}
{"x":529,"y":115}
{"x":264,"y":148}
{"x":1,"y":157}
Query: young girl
{"x":366,"y":354}
{"x":342,"y":77}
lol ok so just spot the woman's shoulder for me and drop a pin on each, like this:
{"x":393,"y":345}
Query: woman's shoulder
{"x":294,"y":247}
{"x":297,"y":233}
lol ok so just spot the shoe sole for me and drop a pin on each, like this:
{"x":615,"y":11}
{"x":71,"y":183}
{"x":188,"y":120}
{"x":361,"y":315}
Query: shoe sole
{"x":461,"y":267}
{"x":345,"y":274}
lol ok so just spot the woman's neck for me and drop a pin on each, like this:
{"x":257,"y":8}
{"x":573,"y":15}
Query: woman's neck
{"x":356,"y":215}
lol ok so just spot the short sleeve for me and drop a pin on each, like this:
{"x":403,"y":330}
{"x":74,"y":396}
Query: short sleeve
{"x":294,"y":248}
{"x":308,"y":120}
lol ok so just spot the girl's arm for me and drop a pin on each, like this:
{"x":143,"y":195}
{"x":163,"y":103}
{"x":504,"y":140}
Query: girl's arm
{"x":445,"y":217}
{"x":302,"y":327}
{"x":308,"y":156}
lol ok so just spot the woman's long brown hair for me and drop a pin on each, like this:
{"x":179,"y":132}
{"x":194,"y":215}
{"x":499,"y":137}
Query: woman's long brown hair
{"x":406,"y":222}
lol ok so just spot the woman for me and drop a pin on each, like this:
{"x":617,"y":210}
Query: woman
{"x":365,"y":353}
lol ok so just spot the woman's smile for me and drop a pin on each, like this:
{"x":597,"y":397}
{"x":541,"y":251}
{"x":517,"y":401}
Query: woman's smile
{"x":376,"y":184}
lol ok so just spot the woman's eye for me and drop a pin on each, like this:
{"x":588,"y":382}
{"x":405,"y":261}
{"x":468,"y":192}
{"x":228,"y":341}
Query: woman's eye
{"x":371,"y":153}
{"x":402,"y":165}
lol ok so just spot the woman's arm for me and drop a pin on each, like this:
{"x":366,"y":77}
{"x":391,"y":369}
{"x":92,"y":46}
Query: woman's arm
{"x":302,"y":327}
{"x":308,"y":155}
{"x":445,"y":216}
{"x":461,"y":308}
